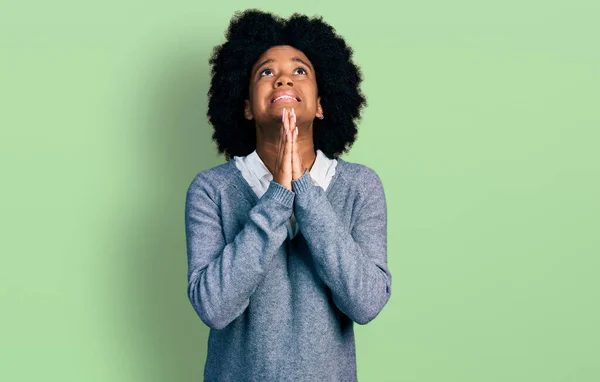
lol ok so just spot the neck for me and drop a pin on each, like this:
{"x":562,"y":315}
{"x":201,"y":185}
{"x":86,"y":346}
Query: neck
{"x":267,"y":145}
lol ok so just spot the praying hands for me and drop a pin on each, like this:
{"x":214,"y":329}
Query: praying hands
{"x":288,"y":165}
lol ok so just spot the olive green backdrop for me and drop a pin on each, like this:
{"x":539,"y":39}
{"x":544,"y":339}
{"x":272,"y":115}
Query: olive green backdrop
{"x":483,"y":123}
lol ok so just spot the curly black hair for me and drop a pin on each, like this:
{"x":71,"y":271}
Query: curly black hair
{"x":253,"y":32}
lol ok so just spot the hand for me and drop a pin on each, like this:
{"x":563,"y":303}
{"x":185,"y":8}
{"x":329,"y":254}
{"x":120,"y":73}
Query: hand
{"x":298,"y":167}
{"x":283,"y":162}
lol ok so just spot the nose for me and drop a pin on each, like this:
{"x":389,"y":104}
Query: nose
{"x":284,"y":79}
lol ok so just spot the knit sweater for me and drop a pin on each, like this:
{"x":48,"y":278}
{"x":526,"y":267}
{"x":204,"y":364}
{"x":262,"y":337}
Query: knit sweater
{"x":281,"y":309}
{"x":258,"y":176}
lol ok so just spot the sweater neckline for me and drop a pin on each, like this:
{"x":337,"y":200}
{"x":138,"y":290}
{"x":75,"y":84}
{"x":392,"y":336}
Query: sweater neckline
{"x":250,"y":192}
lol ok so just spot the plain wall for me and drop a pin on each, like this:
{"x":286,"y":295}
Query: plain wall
{"x":482,"y":122}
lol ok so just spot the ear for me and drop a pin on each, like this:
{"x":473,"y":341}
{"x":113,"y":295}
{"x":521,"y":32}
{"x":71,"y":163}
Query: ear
{"x":247,"y":110}
{"x":319,"y":112}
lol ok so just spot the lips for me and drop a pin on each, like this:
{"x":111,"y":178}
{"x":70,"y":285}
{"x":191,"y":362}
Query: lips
{"x":284,"y":96}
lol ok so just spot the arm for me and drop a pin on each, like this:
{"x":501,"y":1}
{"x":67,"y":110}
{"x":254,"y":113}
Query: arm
{"x":353,"y":264}
{"x":221,"y":276}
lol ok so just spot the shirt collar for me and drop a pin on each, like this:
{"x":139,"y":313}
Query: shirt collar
{"x":318,"y":171}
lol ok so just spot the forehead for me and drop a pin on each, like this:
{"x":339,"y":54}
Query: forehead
{"x":281,"y":53}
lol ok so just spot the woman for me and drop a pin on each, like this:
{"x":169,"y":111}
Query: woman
{"x":286,"y":242}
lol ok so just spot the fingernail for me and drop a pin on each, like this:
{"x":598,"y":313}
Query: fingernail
{"x":296,"y":131}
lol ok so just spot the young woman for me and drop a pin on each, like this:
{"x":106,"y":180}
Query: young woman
{"x":286,"y":242}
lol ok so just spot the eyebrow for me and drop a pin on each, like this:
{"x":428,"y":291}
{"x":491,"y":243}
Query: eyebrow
{"x":296,"y":59}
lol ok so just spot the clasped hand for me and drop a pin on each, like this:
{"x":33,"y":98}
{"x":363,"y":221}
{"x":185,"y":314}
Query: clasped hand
{"x":288,"y":164}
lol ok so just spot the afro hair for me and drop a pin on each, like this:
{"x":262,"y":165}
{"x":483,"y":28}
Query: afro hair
{"x":253,"y":32}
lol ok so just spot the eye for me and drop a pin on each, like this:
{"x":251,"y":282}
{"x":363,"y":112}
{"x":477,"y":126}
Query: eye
{"x":302,"y":69}
{"x":265,"y":70}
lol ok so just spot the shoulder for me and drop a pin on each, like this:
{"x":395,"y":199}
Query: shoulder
{"x":365,"y":186}
{"x":360,"y":175}
{"x":212,"y":180}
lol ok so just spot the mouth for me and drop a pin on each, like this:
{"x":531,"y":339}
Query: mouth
{"x":285,"y":99}
{"x":288,"y":97}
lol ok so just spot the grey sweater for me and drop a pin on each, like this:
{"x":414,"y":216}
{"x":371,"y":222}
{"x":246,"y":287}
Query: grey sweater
{"x":281,"y":309}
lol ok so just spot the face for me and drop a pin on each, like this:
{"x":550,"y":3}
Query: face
{"x":282,"y":77}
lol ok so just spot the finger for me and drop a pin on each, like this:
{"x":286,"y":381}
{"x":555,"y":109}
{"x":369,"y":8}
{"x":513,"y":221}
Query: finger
{"x":296,"y":170}
{"x":293,"y":126}
{"x":286,"y":120}
{"x":293,"y":132}
{"x":287,"y":156}
{"x":281,"y":145}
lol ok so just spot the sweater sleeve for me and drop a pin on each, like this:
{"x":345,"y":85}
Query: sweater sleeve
{"x":352,"y":263}
{"x":222,"y":276}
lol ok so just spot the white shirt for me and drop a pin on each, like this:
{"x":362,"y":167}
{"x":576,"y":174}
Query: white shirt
{"x":259,"y":177}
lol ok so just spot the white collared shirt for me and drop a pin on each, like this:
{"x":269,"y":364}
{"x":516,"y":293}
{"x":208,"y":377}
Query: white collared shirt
{"x":259,"y":177}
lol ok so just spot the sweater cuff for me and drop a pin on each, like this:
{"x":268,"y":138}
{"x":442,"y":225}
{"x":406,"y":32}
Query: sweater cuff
{"x":303,"y":183}
{"x":280,"y":193}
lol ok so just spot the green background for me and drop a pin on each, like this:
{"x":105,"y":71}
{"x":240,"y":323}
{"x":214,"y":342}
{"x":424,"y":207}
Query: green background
{"x":483,"y":124}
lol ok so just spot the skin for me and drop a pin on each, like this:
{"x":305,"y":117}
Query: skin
{"x":286,"y":154}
